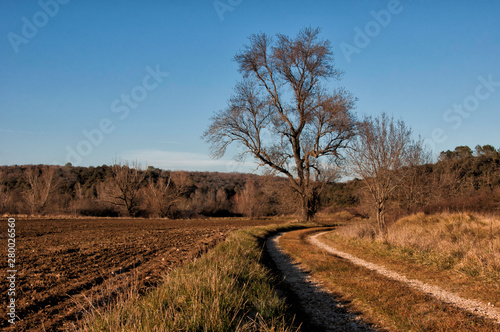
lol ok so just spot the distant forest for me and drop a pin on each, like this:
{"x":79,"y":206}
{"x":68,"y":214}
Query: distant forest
{"x":461,"y":180}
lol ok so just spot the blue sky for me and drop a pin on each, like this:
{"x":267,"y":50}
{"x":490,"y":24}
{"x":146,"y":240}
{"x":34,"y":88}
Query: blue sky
{"x":66,"y":65}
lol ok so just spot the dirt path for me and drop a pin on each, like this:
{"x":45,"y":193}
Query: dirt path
{"x":472,"y":306}
{"x":325,"y":313}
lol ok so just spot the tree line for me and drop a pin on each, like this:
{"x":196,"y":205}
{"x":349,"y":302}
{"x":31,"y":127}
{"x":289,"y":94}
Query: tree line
{"x":461,"y":179}
{"x":126,"y":189}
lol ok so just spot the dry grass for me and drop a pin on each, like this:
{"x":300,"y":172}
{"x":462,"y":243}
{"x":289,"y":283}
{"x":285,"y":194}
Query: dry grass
{"x":465,"y":243}
{"x":225,"y":290}
{"x":388,"y":304}
{"x":457,"y":252}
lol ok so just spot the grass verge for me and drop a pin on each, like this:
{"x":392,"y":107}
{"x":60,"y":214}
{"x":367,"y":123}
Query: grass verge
{"x":380,"y":301}
{"x":227,"y":289}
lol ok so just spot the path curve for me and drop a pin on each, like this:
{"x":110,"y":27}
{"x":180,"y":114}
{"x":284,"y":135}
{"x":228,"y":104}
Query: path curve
{"x":472,"y":306}
{"x":322,"y":309}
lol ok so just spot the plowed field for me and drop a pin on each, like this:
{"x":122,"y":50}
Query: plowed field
{"x":66,"y":265}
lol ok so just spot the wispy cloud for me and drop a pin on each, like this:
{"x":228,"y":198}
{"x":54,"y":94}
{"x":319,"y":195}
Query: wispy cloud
{"x":175,"y":160}
{"x":169,"y":142}
{"x":16,"y":131}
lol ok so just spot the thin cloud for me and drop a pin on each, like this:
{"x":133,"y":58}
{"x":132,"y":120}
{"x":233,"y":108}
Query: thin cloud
{"x":169,"y":142}
{"x":175,"y":160}
{"x":16,"y":131}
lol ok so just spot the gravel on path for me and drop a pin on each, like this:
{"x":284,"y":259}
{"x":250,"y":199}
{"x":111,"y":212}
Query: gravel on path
{"x":472,"y":306}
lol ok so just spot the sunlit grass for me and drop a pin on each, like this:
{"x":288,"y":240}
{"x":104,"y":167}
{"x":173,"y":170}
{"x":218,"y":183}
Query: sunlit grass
{"x":464,"y":243}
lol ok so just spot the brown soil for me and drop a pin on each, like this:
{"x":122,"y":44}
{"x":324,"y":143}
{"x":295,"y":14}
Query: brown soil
{"x":64,"y":266}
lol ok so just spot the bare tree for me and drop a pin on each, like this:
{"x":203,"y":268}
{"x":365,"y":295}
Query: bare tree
{"x":166,"y":190}
{"x":413,"y":192}
{"x":41,"y":183}
{"x":447,"y":182}
{"x":383,"y":155}
{"x":282,"y":114}
{"x":124,"y":186}
{"x":251,"y":201}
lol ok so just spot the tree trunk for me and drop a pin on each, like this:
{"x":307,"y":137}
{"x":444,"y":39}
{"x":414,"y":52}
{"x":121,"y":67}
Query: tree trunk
{"x":309,"y":207}
{"x":381,"y":218}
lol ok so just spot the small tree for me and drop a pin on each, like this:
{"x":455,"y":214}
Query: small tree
{"x":164,"y":191}
{"x":383,"y":155}
{"x":251,"y":201}
{"x":486,"y":150}
{"x":41,"y":184}
{"x":415,"y":191}
{"x":124,"y":186}
{"x":283,"y":115}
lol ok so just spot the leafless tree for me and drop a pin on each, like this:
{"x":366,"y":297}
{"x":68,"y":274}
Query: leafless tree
{"x":447,"y":182}
{"x":383,"y":155}
{"x":162,"y":193}
{"x":208,"y":202}
{"x":251,"y":201}
{"x":282,"y":114}
{"x":41,"y":183}
{"x":413,"y":192}
{"x":123,"y":188}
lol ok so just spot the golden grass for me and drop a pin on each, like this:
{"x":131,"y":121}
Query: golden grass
{"x":385,"y":303}
{"x":459,"y":252}
{"x":467,"y":243}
